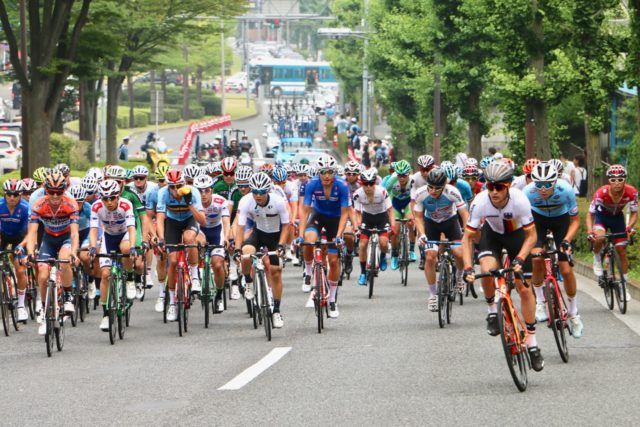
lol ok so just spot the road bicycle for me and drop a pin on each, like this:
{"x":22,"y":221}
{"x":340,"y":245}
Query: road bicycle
{"x":118,"y":305}
{"x":184,"y":299}
{"x":8,"y":293}
{"x":513,"y":332}
{"x":80,"y":295}
{"x":31,"y":295}
{"x":447,"y":284}
{"x":612,"y":280}
{"x":53,"y":304}
{"x":262,"y":297}
{"x":373,"y":256}
{"x":404,"y":258}
{"x":320,"y":284}
{"x":209,"y":291}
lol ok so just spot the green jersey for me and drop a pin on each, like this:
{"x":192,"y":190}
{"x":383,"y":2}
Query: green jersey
{"x":138,"y":211}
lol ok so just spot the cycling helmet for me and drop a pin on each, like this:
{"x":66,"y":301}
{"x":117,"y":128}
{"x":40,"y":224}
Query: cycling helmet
{"x":327,"y":161}
{"x":369,"y":175}
{"x":260,"y":182}
{"x":498,"y":172}
{"x":78,"y":192}
{"x":279,"y":174}
{"x":175,"y":177}
{"x":544,"y":172}
{"x":95,"y":173}
{"x":616,"y":171}
{"x":228,"y":164}
{"x":140,"y":170}
{"x":437,"y":177}
{"x":352,"y":167}
{"x":340,"y":171}
{"x":450,"y":170}
{"x":529,"y":165}
{"x":55,"y":181}
{"x":29,"y":185}
{"x":109,"y":188}
{"x":267,"y":168}
{"x":191,"y":171}
{"x":289,"y":168}
{"x":471,"y":161}
{"x":313,"y":171}
{"x":403,"y":167}
{"x":90,"y":184}
{"x":38,"y":174}
{"x":161,"y":172}
{"x":203,"y":181}
{"x":13,"y":186}
{"x":214,"y":168}
{"x":392,"y":167}
{"x":116,"y":172}
{"x":243,"y":174}
{"x":559,"y":165}
{"x":470,"y":171}
{"x":425,"y":161}
{"x":303,"y":169}
{"x":63,"y":168}
{"x":486,"y":161}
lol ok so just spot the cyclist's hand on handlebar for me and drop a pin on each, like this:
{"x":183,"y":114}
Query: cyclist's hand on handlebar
{"x":517,"y":265}
{"x":423,"y":239}
{"x":133,"y":252}
{"x":468,"y":275}
{"x":281,"y":251}
{"x":160,"y":245}
{"x":92,"y":251}
{"x":19,"y":251}
{"x":237,"y":254}
{"x":339,"y":241}
{"x":299,"y":240}
{"x":565,"y":246}
{"x":631,"y":231}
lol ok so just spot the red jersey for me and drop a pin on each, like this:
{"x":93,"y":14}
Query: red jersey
{"x":603,"y":203}
{"x":56,"y":221}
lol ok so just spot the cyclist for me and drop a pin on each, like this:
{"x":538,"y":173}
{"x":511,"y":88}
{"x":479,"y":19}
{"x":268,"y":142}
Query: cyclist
{"x":523,"y":180}
{"x":392,"y":171}
{"x":214,"y":231}
{"x":554,"y":207}
{"x":426,"y":163}
{"x":606,"y":213}
{"x":559,"y":165}
{"x":29,"y":187}
{"x":289,"y":192}
{"x":331,"y":207}
{"x":463,"y":186}
{"x":190,"y":172}
{"x":243,"y":173}
{"x":352,"y":171}
{"x":58,"y":214}
{"x":115,"y":216}
{"x":178,"y":213}
{"x":267,"y":216}
{"x":225,"y":186}
{"x":508,"y":224}
{"x":438,"y":206}
{"x":373,"y":209}
{"x":399,"y":188}
{"x":471,"y":174}
{"x":161,"y":261}
{"x":90,"y":186}
{"x":14,"y":219}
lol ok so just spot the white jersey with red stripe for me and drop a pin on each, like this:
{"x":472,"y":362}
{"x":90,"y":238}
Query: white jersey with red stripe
{"x":515,"y":215}
{"x":379,"y":203}
{"x":214,"y":213}
{"x":113,"y":222}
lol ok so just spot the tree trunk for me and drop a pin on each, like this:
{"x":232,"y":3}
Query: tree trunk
{"x":475,"y":126}
{"x":132,"y":120}
{"x":58,"y":124}
{"x":88,"y":114}
{"x":594,"y":156}
{"x":199,"y":84}
{"x":114,"y":85}
{"x":185,"y":84}
{"x":163,"y":84}
{"x":540,"y":117}
{"x":38,"y":127}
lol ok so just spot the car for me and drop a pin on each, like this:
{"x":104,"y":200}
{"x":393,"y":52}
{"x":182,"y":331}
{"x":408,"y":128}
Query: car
{"x":173,"y":77}
{"x":238,"y":82}
{"x":15,"y":135}
{"x":10,"y":156}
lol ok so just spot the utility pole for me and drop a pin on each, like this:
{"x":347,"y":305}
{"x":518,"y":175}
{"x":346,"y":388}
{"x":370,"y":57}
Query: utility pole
{"x":26,"y":147}
{"x":222,"y":109}
{"x":245,"y":32}
{"x":364,"y":111}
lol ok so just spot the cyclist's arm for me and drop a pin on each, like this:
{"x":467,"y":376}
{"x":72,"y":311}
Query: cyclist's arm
{"x":574,"y":225}
{"x":633,"y":218}
{"x":160,"y":217}
{"x":198,"y":214}
{"x":226,"y":227}
{"x":419,"y":222}
{"x":132,"y":235}
{"x":75,"y":243}
{"x":146,"y":225}
{"x":467,"y":246}
{"x":304,"y":216}
{"x":344,"y":214}
{"x":239,"y":233}
{"x":589,"y":222}
{"x":392,"y":218}
{"x":93,"y":237}
{"x":464,"y":215}
{"x":32,"y":237}
{"x":530,"y":239}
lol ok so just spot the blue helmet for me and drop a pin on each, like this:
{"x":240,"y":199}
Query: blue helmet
{"x":450,"y":170}
{"x":485,"y":162}
{"x":279,"y":174}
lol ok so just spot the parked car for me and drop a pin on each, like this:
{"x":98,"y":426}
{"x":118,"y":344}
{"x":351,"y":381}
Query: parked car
{"x":173,"y":78}
{"x":10,"y":156}
{"x":14,"y":135}
{"x":238,"y":82}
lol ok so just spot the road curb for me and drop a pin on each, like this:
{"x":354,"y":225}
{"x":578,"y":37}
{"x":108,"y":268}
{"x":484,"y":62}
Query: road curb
{"x":585,"y":269}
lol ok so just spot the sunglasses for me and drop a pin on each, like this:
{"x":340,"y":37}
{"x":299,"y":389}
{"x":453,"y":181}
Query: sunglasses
{"x":139,"y":178}
{"x":497,"y":186}
{"x":229,"y":173}
{"x":109,"y":199}
{"x":402,"y":175}
{"x":205,"y":190}
{"x":433,"y":188}
{"x":176,"y":187}
{"x":280,"y":182}
{"x":617,"y":180}
{"x":55,"y":193}
{"x":352,"y":174}
{"x":243,"y":186}
{"x":161,"y":181}
{"x":12,"y":194}
{"x":471,"y":178}
{"x":327,"y":172}
{"x":259,"y":192}
{"x":544,"y":185}
{"x":425,"y":169}
{"x":369,"y":183}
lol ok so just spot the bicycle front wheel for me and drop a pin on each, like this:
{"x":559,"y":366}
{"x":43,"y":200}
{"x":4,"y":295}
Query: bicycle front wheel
{"x":180,"y":300}
{"x":317,"y":296}
{"x":264,"y":304}
{"x":12,"y":286}
{"x":619,"y":283}
{"x":443,"y":294}
{"x":556,"y":319}
{"x":49,"y":313}
{"x":112,"y":308}
{"x":608,"y":281}
{"x":122,"y":308}
{"x":205,"y":298}
{"x":372,"y":268}
{"x":4,"y":306}
{"x":513,"y":349}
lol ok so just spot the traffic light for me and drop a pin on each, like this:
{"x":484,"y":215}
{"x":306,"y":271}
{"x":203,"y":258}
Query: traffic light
{"x":274,"y":23}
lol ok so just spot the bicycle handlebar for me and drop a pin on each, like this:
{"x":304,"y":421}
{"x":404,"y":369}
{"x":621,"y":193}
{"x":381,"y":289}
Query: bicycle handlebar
{"x":443,"y":242}
{"x":500,"y":272}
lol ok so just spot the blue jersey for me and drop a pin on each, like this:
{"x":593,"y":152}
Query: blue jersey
{"x":177,"y":209}
{"x":35,"y":196}
{"x":445,"y":207}
{"x":85,"y":215}
{"x":14,"y":224}
{"x":151,"y":199}
{"x":561,"y":202}
{"x":465,"y":190}
{"x":332,"y":206}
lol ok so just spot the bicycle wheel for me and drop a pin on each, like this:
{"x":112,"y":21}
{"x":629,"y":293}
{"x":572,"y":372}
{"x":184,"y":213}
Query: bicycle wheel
{"x":59,"y":331}
{"x":514,"y":353}
{"x":619,"y":283}
{"x":607,"y":281}
{"x":555,"y":319}
{"x":165,"y":303}
{"x":48,"y":319}
{"x":180,"y":300}
{"x":11,"y":298}
{"x":82,"y":294}
{"x":205,"y":298}
{"x":371,"y":275}
{"x":121,"y":311}
{"x":317,"y":296}
{"x":451,"y":293}
{"x":4,"y":306}
{"x":185,"y":317}
{"x":76,"y":308}
{"x":264,"y":305}
{"x":112,"y":307}
{"x":443,"y":294}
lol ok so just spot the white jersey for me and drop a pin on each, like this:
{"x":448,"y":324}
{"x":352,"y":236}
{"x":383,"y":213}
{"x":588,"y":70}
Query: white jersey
{"x":519,"y":182}
{"x":565,"y":176}
{"x":516,"y":214}
{"x":445,"y":207}
{"x":74,"y":180}
{"x":289,"y":192}
{"x":214,"y":213}
{"x":142,"y":195}
{"x":418,"y":181}
{"x":113,"y":222}
{"x":379,"y":203}
{"x":267,"y":218}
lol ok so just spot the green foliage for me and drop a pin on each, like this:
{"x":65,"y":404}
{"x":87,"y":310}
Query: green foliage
{"x":60,"y":148}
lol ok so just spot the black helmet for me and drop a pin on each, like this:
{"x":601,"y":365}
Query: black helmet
{"x":437,"y":177}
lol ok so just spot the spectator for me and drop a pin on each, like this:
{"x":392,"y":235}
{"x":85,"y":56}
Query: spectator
{"x":123,"y":150}
{"x":492,"y":151}
{"x":579,"y":176}
{"x":341,"y":125}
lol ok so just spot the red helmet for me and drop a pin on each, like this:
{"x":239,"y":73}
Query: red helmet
{"x":616,"y":171}
{"x":55,"y":181}
{"x":29,"y":185}
{"x":228,"y":164}
{"x":529,"y":165}
{"x":175,"y":176}
{"x":470,"y":171}
{"x":13,"y":186}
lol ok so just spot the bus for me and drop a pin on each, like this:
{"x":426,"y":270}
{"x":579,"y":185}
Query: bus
{"x":291,"y":76}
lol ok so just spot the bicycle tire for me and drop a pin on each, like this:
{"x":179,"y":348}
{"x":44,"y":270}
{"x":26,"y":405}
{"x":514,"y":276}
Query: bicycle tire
{"x":516,"y":359}
{"x":317,"y":297}
{"x":555,"y":319}
{"x":372,"y":268}
{"x":4,"y":306}
{"x":112,"y":307}
{"x":206,"y":289}
{"x":165,"y":303}
{"x":74,"y":315}
{"x":264,"y":305}
{"x":82,"y":295}
{"x":254,"y":312}
{"x":607,"y":282}
{"x":185,"y":316}
{"x":122,"y":308}
{"x":60,"y":333}
{"x":442,"y":294}
{"x":451,"y":294}
{"x":32,"y":293}
{"x":179,"y":299}
{"x":49,"y":315}
{"x":13,"y":300}
{"x":620,"y":285}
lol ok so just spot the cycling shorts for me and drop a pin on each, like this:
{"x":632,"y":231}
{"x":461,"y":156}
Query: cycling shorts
{"x":492,"y":244}
{"x":330,"y":224}
{"x":51,"y":245}
{"x":83,"y":237}
{"x":111,"y":242}
{"x":379,"y":221}
{"x":401,"y":214}
{"x":173,"y":230}
{"x":450,"y":228}
{"x":558,"y":226}
{"x":214,"y":237}
{"x":615,"y":224}
{"x":10,"y":240}
{"x":259,"y":239}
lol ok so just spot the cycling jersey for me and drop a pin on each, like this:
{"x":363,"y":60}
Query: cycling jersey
{"x":465,"y":190}
{"x":604,"y":204}
{"x":223,"y":189}
{"x":288,"y":192}
{"x":519,"y":182}
{"x":151,"y":199}
{"x":177,"y":209}
{"x":115,"y":222}
{"x":213,"y":213}
{"x":14,"y":224}
{"x":56,"y":221}
{"x":441,"y":209}
{"x":417,"y":182}
{"x":332,"y":206}
{"x":267,"y":218}
{"x":515,"y":215}
{"x":561,"y":202}
{"x":400,"y":197}
{"x":142,"y":195}
{"x":84,"y":216}
{"x":379,"y":203}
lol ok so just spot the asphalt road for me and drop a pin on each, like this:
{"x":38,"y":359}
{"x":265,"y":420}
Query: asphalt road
{"x":384,"y":361}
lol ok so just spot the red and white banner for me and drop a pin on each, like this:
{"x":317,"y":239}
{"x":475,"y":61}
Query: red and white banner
{"x":352,"y":155}
{"x":197,"y":127}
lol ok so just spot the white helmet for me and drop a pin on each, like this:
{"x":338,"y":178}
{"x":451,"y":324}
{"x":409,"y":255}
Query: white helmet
{"x":260,"y":182}
{"x":202,"y":182}
{"x":191,"y":171}
{"x":243,"y":173}
{"x":352,"y":167}
{"x":558,"y":165}
{"x":303,"y":169}
{"x":78,"y":192}
{"x":544,"y":172}
{"x":425,"y":161}
{"x":109,"y":188}
{"x":327,"y":162}
{"x":90,"y":184}
{"x":498,"y":172}
{"x":116,"y":172}
{"x":140,"y":170}
{"x":95,"y":173}
{"x":369,"y":175}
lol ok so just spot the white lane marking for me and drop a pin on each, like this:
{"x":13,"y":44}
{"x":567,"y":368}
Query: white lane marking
{"x":246,"y":376}
{"x":256,"y":143}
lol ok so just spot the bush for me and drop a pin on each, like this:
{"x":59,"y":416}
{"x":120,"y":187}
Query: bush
{"x":172,"y":115}
{"x":79,"y":159}
{"x":196,"y":112}
{"x":212,"y":105}
{"x":60,"y":147}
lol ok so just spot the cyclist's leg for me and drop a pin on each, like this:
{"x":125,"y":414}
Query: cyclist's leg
{"x":189,"y":237}
{"x":249,"y":248}
{"x":433,"y":231}
{"x":124,"y":247}
{"x":310,"y":236}
{"x":362,"y":254}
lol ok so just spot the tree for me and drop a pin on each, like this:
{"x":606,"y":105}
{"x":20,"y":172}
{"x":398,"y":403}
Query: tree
{"x":54,"y":32}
